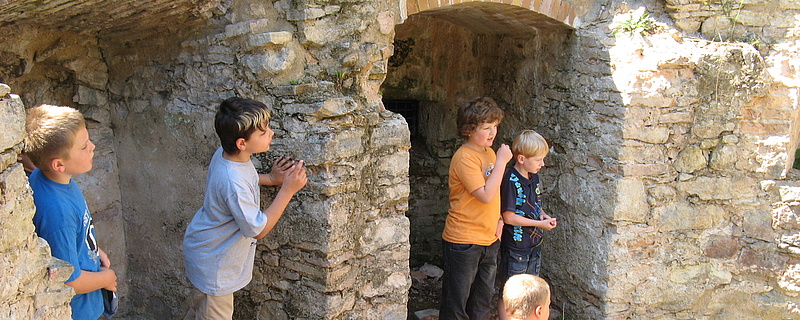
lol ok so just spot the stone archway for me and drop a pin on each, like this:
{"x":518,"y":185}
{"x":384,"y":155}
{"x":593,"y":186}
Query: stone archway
{"x":556,"y":10}
{"x":451,"y":53}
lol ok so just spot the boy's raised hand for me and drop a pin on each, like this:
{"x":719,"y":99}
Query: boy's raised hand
{"x":504,"y":154}
{"x":295,"y":177}
{"x":280,"y":168}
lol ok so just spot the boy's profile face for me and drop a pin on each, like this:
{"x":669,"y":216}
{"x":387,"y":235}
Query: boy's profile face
{"x":81,"y":154}
{"x":259,"y":140}
{"x":531,"y":164}
{"x":483,"y":135}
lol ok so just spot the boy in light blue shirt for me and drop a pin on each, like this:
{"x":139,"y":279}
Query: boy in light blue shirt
{"x":220,"y":242}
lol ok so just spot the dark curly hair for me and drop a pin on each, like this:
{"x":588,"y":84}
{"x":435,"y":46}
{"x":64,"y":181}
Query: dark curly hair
{"x":475,"y":112}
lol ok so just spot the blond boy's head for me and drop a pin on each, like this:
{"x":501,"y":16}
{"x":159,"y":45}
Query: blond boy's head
{"x":529,"y":143}
{"x":51,"y":133}
{"x":526,"y":296}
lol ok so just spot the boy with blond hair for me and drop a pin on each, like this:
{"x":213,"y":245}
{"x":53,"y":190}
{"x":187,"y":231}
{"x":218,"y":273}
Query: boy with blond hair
{"x":57,"y":142}
{"x":473,"y":225}
{"x":521,"y":207}
{"x":220,"y":242}
{"x":527,"y":297}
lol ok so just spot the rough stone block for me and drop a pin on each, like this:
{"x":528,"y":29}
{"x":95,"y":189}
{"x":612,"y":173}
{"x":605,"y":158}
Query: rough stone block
{"x":250,"y":26}
{"x":704,"y":272}
{"x":789,"y":193}
{"x":753,"y":18}
{"x":335,"y":107}
{"x":270,"y":63}
{"x":392,"y":133}
{"x":690,"y":160}
{"x":683,"y":216}
{"x":656,"y":135}
{"x":722,"y":188}
{"x":258,"y":40}
{"x":790,"y":280}
{"x":13,"y":125}
{"x":646,"y":170}
{"x":722,"y":248}
{"x":4,"y":90}
{"x":689,"y":24}
{"x":724,"y":157}
{"x":631,"y":201}
{"x":757,"y":224}
{"x":308,"y":13}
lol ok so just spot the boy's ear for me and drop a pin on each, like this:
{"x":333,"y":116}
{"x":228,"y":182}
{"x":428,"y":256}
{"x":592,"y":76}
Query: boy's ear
{"x":57,"y":165}
{"x":520,"y":158}
{"x":538,"y":311}
{"x":241,"y":144}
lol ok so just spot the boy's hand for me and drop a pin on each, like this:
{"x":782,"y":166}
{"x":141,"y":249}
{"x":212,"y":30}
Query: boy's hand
{"x":280,"y":168}
{"x":549,"y":223}
{"x":504,"y":154}
{"x":295,"y":178}
{"x":104,"y":261}
{"x":113,"y":275}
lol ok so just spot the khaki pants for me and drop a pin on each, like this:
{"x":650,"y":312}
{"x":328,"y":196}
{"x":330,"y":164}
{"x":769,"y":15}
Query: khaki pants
{"x":206,"y":307}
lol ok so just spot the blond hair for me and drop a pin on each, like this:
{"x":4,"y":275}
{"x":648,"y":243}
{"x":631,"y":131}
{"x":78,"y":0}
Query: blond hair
{"x":51,"y":133}
{"x":523,"y":293}
{"x":529,"y":143}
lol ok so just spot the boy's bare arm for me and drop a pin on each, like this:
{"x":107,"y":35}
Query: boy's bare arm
{"x":492,"y":188}
{"x":280,"y":167}
{"x":293,"y":181}
{"x":90,"y":281}
{"x":517,"y":220}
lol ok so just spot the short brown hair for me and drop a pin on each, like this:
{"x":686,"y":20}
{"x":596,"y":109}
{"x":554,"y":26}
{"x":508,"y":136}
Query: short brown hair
{"x":238,"y":118}
{"x":475,"y":112}
{"x":529,"y":143}
{"x":522,"y":293}
{"x":51,"y":132}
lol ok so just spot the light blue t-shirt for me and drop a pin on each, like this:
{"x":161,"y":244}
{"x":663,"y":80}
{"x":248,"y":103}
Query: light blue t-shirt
{"x":63,"y":219}
{"x":218,"y":246}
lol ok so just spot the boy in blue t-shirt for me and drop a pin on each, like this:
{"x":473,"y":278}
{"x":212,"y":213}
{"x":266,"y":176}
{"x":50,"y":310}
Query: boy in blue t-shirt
{"x":57,"y":142}
{"x":521,"y":208}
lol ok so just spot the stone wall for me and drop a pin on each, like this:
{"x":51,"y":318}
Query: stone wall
{"x":341,"y":249}
{"x":156,"y":78}
{"x":669,"y":167}
{"x":33,"y":281}
{"x":697,"y":217}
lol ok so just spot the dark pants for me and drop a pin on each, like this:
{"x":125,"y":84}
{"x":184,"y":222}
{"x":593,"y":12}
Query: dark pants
{"x":468,"y":281}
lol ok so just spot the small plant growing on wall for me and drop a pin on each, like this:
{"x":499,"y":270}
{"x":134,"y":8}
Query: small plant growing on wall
{"x":638,"y":23}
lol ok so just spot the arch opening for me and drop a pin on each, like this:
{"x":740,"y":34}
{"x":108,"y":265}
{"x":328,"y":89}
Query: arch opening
{"x":446,"y":56}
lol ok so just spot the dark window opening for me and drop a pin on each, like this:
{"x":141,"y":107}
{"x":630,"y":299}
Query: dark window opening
{"x":409,"y":109}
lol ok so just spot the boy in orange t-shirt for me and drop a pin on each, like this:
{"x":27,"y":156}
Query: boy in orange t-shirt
{"x":473,"y":224}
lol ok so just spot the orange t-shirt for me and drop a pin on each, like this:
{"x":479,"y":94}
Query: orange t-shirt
{"x":470,"y":221}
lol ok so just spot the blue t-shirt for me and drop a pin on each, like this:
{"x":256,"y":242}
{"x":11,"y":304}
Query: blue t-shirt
{"x":520,"y":195}
{"x":63,"y":219}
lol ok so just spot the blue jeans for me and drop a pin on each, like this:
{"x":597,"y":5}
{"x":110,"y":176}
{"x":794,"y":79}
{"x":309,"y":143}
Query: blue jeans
{"x":515,"y":261}
{"x":468,"y":280}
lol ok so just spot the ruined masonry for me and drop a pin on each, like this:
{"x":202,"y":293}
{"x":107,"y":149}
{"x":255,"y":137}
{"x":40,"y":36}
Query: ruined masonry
{"x":672,"y":124}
